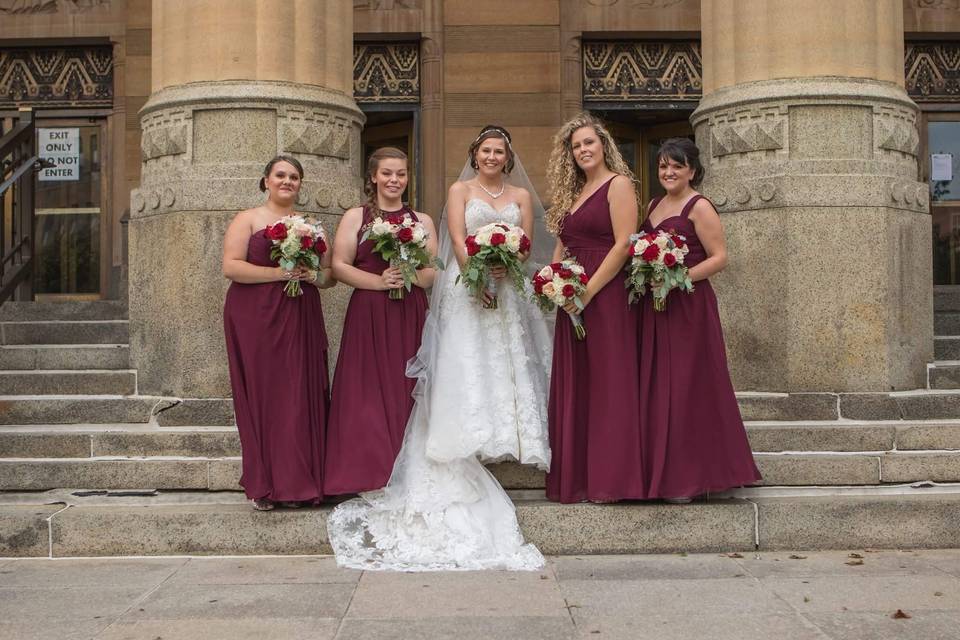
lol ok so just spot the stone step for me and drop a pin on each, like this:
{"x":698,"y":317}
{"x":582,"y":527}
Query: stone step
{"x":62,"y":524}
{"x":223,"y":473}
{"x":946,"y":323}
{"x":71,"y":409}
{"x":86,"y":356}
{"x":62,"y":382}
{"x":64,"y":310}
{"x":65,"y":332}
{"x":946,"y":347}
{"x":148,"y":440}
{"x":920,"y":404}
{"x":943,"y":374}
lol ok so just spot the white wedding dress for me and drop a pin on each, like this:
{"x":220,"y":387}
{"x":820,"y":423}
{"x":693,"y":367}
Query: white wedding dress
{"x":481,"y":393}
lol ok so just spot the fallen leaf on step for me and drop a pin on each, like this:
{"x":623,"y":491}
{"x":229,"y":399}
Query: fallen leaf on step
{"x":734,"y":555}
{"x":854,"y":563}
{"x":900,"y":614}
{"x":938,"y":593}
{"x":796,"y":557}
{"x":854,"y":555}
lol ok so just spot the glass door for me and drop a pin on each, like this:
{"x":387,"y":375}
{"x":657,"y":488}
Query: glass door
{"x":941,"y":164}
{"x":393,"y":129}
{"x":653,"y":137}
{"x":70,"y":210}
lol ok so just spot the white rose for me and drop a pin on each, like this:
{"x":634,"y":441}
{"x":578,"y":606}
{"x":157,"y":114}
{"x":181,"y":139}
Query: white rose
{"x":548,"y":289}
{"x":419,"y":234}
{"x":546,"y":273}
{"x":380,"y":228}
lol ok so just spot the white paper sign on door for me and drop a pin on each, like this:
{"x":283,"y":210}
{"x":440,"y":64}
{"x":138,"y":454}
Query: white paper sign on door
{"x":941,"y":167}
{"x":62,"y":148}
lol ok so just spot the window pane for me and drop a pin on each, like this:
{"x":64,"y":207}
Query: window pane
{"x":944,"y":143}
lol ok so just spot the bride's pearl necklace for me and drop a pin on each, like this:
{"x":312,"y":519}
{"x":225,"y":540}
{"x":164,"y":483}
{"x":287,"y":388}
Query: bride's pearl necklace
{"x":503,"y":185}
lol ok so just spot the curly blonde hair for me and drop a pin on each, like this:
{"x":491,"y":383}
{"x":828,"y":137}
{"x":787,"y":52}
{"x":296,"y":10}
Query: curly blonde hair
{"x":566,"y":178}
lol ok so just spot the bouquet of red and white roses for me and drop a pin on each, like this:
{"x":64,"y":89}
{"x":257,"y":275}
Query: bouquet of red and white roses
{"x":297,"y":241}
{"x":494,"y":244}
{"x":401,"y":241}
{"x":657,"y":264}
{"x":559,"y":283}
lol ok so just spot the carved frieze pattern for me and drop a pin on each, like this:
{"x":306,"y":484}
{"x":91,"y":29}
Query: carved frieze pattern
{"x":316,"y":133}
{"x":642,"y":71}
{"x":30,"y":7}
{"x":932,"y":71}
{"x":386,"y":72}
{"x":56,"y":76}
{"x":746,"y":131}
{"x":163,"y":134}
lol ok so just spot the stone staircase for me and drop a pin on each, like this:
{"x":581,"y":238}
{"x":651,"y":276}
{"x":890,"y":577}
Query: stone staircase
{"x":89,"y":467}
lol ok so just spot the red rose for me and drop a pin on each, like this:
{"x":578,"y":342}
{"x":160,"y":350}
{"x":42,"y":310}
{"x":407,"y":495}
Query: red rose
{"x":650,"y":253}
{"x":306,"y":242}
{"x":277,"y":231}
{"x":650,"y":237}
{"x":539,"y":279}
{"x":405,"y":234}
{"x":583,"y":278}
{"x":538,"y":287}
{"x":524,"y":244}
{"x":555,"y":266}
{"x":320,"y":246}
{"x":564,"y":273}
{"x":497,"y":239}
{"x":568,"y":291}
{"x":472,"y":246}
{"x":677,"y":240}
{"x":669,"y":259}
{"x":395,"y":218}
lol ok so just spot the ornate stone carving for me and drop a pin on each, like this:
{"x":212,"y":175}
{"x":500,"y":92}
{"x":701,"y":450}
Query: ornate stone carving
{"x":635,"y":71}
{"x":386,"y":72}
{"x":936,"y":4}
{"x":315,"y":133}
{"x":742,"y":138}
{"x":932,"y":71}
{"x":386,"y":5}
{"x":50,"y":6}
{"x":56,"y":76}
{"x":636,"y":4}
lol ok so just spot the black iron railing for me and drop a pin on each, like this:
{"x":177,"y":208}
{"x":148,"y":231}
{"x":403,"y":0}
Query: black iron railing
{"x":18,"y":162}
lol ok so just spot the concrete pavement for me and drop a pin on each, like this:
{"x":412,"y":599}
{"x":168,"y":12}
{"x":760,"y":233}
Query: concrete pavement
{"x":799,"y":596}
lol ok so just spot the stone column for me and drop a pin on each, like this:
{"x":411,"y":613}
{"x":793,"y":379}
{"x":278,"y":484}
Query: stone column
{"x":810,"y":144}
{"x":433,"y":192}
{"x":234,"y":83}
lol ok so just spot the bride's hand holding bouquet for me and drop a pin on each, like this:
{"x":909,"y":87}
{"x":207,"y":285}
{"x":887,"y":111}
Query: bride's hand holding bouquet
{"x":493,"y":247}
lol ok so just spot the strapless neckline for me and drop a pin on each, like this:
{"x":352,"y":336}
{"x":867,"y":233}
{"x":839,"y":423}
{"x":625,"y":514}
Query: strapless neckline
{"x":491,"y":207}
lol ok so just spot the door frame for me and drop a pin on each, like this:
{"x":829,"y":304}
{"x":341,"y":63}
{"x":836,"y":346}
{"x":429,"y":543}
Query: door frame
{"x":942,"y":113}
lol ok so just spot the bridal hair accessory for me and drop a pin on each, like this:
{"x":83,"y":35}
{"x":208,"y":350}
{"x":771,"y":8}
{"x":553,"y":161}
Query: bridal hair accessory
{"x":506,"y":136}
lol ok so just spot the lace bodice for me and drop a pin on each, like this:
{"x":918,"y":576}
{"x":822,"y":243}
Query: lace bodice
{"x":480,"y":212}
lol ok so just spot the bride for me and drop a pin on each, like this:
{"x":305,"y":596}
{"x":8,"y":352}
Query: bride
{"x":482,"y":380}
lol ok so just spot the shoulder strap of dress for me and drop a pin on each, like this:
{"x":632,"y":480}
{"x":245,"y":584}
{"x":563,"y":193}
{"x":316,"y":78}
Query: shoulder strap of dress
{"x":653,"y":205}
{"x":687,"y":207}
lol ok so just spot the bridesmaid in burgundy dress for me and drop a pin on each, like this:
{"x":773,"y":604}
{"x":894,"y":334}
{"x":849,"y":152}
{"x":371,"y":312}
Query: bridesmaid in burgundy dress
{"x":371,"y":398}
{"x":277,"y":348}
{"x":594,"y":410}
{"x":694,"y":441}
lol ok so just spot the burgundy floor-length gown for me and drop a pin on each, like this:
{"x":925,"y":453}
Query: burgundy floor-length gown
{"x":694,"y":441}
{"x":594,"y":409}
{"x":277,"y":348}
{"x":371,"y":399}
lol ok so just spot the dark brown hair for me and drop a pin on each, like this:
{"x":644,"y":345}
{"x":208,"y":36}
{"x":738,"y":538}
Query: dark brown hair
{"x":281,"y":158}
{"x":684,"y":151}
{"x":369,"y":188}
{"x":491,"y":131}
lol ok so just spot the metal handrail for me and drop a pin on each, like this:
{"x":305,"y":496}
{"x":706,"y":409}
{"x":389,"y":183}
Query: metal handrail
{"x":18,"y":157}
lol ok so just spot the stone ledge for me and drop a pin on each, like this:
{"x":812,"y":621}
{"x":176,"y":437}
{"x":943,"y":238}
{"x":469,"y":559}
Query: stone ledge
{"x":184,"y":524}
